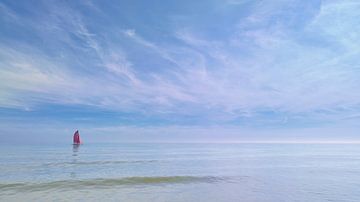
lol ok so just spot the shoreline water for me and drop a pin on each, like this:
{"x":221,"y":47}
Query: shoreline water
{"x":181,"y":172}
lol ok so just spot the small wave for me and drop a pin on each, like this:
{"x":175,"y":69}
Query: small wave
{"x":97,"y":162}
{"x":100,"y":182}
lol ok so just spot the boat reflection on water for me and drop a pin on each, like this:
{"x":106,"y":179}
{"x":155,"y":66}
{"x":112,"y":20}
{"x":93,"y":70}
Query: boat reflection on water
{"x":76,"y":149}
{"x":74,"y":162}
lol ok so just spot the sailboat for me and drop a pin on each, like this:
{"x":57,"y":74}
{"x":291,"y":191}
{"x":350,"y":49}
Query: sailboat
{"x":76,"y":138}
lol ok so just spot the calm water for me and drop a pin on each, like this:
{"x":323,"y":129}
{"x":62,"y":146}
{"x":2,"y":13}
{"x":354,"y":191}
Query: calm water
{"x":181,"y":172}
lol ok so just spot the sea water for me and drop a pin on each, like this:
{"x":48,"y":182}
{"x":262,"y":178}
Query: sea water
{"x":180,"y":172}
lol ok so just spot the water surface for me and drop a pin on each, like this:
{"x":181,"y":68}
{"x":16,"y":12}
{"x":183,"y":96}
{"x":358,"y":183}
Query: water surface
{"x":181,"y":172}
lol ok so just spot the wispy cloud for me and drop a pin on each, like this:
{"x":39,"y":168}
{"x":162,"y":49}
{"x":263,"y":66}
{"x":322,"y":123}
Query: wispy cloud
{"x":285,"y":63}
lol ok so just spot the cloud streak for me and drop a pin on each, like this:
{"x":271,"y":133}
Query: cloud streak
{"x":289,"y":62}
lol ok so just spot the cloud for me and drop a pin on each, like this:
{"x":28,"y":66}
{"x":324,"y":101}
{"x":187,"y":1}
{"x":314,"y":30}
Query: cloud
{"x":130,"y":32}
{"x":282,"y":71}
{"x":298,"y":63}
{"x":7,"y":13}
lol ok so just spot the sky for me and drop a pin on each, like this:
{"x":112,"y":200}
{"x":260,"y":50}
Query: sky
{"x":179,"y":71}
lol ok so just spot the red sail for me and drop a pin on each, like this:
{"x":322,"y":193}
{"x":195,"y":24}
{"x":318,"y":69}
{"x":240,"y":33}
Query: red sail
{"x":76,"y":137}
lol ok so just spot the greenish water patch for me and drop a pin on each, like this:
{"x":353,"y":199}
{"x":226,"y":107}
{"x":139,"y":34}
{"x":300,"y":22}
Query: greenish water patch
{"x":98,"y":183}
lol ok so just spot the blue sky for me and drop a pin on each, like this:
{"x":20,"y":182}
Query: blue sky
{"x":180,"y":71}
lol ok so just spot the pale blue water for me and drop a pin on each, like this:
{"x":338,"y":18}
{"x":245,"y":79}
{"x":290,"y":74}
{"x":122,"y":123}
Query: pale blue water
{"x":181,"y":172}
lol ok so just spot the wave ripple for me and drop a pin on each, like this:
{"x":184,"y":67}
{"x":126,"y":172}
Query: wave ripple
{"x":109,"y":182}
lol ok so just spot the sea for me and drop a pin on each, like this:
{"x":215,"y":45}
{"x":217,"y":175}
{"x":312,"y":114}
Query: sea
{"x":264,"y":172}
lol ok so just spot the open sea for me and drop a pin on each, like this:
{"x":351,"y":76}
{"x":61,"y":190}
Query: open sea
{"x":181,"y":172}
